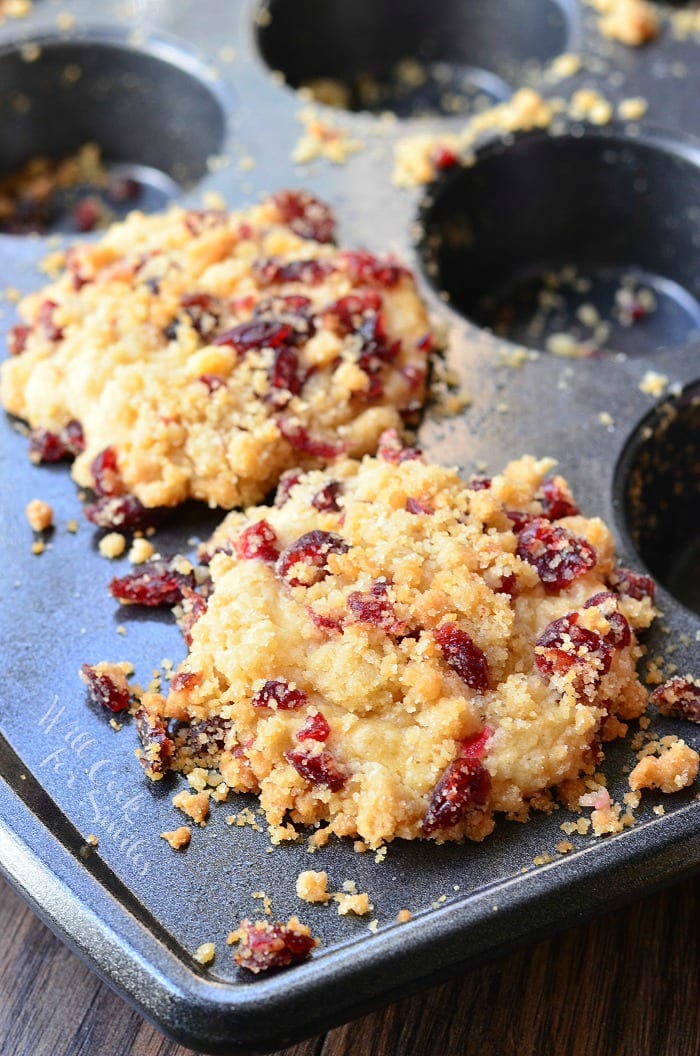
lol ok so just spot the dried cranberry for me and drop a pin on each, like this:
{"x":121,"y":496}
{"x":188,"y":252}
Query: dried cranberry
{"x":557,"y":554}
{"x":320,"y":769}
{"x":443,"y":157}
{"x":416,"y":506}
{"x":563,"y":645}
{"x":426,"y":343}
{"x":287,"y":481}
{"x":377,"y":610}
{"x":520,"y":519}
{"x":183,"y":680}
{"x":285,"y":373}
{"x":257,"y":334}
{"x":86,"y":214}
{"x":508,"y":585}
{"x":212,"y":382}
{"x":364,"y":267}
{"x":679,"y":698}
{"x":193,"y":607}
{"x":556,"y":500}
{"x":278,"y":694}
{"x":619,"y":634}
{"x":392,"y":450}
{"x":275,"y":272}
{"x":347,"y":314}
{"x":158,"y":747}
{"x":105,"y":473}
{"x":475,"y":747}
{"x":462,"y":655}
{"x":300,"y":439}
{"x":203,"y":312}
{"x":314,"y":728}
{"x":105,"y":690}
{"x":305,"y":215}
{"x":208,"y":734}
{"x":257,"y":541}
{"x":123,"y":189}
{"x":45,"y":446}
{"x":46,"y":322}
{"x":311,"y":551}
{"x":17,"y":339}
{"x":328,"y":624}
{"x":464,"y":787}
{"x":633,"y":584}
{"x":294,"y":311}
{"x":326,"y":498}
{"x":157,"y":582}
{"x":198,"y":220}
{"x":263,"y":946}
{"x":121,"y":512}
{"x":479,"y":484}
{"x":415,"y":376}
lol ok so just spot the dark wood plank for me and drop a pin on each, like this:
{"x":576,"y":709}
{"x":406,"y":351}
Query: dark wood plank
{"x":625,"y":985}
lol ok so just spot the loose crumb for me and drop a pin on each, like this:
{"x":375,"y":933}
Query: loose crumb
{"x":403,"y":916}
{"x":112,"y":545}
{"x":179,"y":838}
{"x":194,"y":804}
{"x":141,"y":550}
{"x":205,"y":953}
{"x":674,"y":769}
{"x":39,"y":514}
{"x":313,"y":886}
{"x":653,"y":383}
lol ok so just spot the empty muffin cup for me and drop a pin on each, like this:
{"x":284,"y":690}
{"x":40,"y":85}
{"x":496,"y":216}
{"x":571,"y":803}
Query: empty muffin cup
{"x":411,"y":58}
{"x":579,"y":244}
{"x":93,"y":128}
{"x":658,"y":494}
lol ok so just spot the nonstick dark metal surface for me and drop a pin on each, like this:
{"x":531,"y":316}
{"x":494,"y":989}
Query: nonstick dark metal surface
{"x":162,"y":94}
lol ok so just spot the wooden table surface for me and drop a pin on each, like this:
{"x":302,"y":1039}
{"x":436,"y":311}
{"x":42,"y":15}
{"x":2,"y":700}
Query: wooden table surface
{"x":625,"y":985}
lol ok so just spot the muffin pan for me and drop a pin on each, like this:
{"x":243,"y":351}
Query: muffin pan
{"x":181,"y":96}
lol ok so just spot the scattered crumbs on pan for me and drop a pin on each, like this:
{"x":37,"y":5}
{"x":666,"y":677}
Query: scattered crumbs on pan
{"x":631,"y":22}
{"x":403,"y":916}
{"x":112,"y":545}
{"x":323,"y":138}
{"x":39,"y":515}
{"x":312,"y":886}
{"x":14,"y":9}
{"x":653,"y":384}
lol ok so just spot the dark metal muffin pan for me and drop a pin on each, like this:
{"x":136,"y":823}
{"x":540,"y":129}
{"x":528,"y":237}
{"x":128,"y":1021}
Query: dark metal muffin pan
{"x":164,"y":95}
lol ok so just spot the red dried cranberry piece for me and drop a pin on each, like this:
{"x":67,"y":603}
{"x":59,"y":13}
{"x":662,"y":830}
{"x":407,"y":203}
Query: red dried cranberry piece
{"x":619,"y":634}
{"x":426,"y":343}
{"x":183,"y":680}
{"x":263,"y":946}
{"x":105,"y":473}
{"x":198,"y":220}
{"x":314,"y":728}
{"x":633,"y":584}
{"x":86,"y":214}
{"x":293,"y":311}
{"x":157,"y":582}
{"x":415,"y":376}
{"x":443,"y":157}
{"x":257,"y":541}
{"x":208,"y":734}
{"x":520,"y":519}
{"x":17,"y":339}
{"x":556,"y":500}
{"x":347,"y":314}
{"x":45,"y":446}
{"x":392,"y":450}
{"x":475,"y":747}
{"x":558,"y":555}
{"x":479,"y":484}
{"x":508,"y":585}
{"x":563,"y":645}
{"x":288,"y":480}
{"x":300,"y":439}
{"x":193,"y":606}
{"x":464,"y":787}
{"x":321,"y":769}
{"x":679,"y":698}
{"x":305,"y":215}
{"x":285,"y":373}
{"x":377,"y":610}
{"x":310,"y":272}
{"x":364,"y":267}
{"x":462,"y":655}
{"x":260,"y":333}
{"x":416,"y":506}
{"x":212,"y":382}
{"x":203,"y":312}
{"x":326,"y":498}
{"x":276,"y":693}
{"x":46,"y":322}
{"x":310,"y":550}
{"x":104,"y":690}
{"x":158,"y":747}
{"x":328,"y":624}
{"x":121,"y":512}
